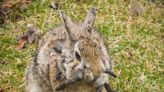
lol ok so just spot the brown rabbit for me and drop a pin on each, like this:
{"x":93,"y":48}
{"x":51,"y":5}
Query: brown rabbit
{"x":52,"y":48}
{"x":43,"y":70}
{"x":97,"y":62}
{"x":78,"y":31}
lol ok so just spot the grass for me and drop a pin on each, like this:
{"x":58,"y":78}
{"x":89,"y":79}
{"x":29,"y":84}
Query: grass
{"x":136,"y":44}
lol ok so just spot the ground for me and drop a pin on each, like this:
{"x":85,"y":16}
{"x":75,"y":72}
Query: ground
{"x":135,"y":43}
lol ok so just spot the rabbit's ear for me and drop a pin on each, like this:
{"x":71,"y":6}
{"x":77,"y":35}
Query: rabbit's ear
{"x":89,"y":20}
{"x":66,"y":20}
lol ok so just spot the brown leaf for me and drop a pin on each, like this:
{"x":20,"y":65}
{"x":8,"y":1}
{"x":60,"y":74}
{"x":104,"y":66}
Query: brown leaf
{"x":30,"y":36}
{"x":22,"y":42}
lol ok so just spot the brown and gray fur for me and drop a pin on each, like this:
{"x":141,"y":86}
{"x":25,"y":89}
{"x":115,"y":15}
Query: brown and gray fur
{"x":97,"y":62}
{"x":88,"y":53}
{"x":86,"y":29}
{"x":41,"y":73}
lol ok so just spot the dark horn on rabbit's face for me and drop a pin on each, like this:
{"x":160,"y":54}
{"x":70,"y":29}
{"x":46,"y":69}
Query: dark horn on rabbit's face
{"x":89,"y":20}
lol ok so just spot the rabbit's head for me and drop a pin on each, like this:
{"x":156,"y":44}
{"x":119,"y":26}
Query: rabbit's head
{"x":88,"y":53}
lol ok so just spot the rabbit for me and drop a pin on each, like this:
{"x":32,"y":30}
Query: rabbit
{"x":42,"y":74}
{"x":44,"y":71}
{"x":79,"y":31}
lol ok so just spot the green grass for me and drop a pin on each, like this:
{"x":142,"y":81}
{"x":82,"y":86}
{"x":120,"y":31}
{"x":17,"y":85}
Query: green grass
{"x":136,"y":45}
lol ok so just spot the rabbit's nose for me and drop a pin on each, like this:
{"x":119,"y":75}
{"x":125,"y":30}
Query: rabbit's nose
{"x":63,"y":61}
{"x":84,"y":66}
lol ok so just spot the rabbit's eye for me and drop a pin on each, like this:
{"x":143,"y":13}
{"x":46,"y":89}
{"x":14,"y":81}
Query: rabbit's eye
{"x":89,"y":29}
{"x":57,"y":50}
{"x":77,"y":56}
